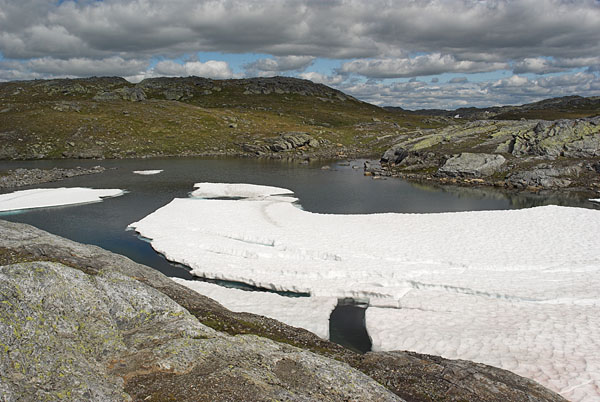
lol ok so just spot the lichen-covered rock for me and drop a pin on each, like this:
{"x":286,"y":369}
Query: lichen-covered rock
{"x":572,"y":138}
{"x":545,"y":176}
{"x":472,"y":165}
{"x":290,"y":141}
{"x":66,"y":335}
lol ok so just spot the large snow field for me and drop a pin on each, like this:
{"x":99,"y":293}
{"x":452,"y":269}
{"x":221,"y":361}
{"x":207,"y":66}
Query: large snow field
{"x":52,"y":197}
{"x":515,"y":289}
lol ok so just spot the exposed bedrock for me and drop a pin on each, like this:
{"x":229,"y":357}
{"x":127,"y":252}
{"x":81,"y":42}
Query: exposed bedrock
{"x":82,"y":323}
{"x":517,"y":153}
{"x":469,"y":164}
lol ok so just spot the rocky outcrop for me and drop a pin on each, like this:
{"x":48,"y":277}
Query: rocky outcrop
{"x":571,"y":138}
{"x":545,"y":176}
{"x":75,"y":336}
{"x":122,"y":330}
{"x":472,"y":165}
{"x":540,"y":154}
{"x":285,"y":142}
{"x":27,"y":177}
{"x":125,"y":93}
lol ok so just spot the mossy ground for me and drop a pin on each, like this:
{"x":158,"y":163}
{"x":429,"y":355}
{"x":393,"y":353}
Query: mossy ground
{"x":64,"y":120}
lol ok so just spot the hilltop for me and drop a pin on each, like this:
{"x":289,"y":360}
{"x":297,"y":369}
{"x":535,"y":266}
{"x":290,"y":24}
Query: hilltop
{"x":109,"y":117}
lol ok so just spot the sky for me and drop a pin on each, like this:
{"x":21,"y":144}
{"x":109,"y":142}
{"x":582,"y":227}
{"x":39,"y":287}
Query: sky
{"x":410,"y":53}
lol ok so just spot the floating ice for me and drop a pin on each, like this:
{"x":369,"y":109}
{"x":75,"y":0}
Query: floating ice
{"x":52,"y":197}
{"x":311,"y":313}
{"x":237,"y":190}
{"x":147,"y":172}
{"x":517,"y":289}
{"x":595,"y":199}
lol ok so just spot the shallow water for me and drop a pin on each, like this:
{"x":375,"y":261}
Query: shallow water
{"x":340,"y":190}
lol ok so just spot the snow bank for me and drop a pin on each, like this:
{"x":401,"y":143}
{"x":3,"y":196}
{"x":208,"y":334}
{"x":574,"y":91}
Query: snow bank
{"x":147,"y":172}
{"x":52,"y":197}
{"x":516,"y":289}
{"x":311,"y":313}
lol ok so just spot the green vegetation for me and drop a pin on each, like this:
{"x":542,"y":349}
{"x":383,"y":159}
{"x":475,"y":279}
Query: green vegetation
{"x":111,"y":118}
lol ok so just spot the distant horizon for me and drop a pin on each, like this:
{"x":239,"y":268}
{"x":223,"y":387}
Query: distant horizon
{"x":314,"y":82}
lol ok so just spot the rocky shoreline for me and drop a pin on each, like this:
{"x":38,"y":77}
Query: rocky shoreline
{"x":27,"y":177}
{"x":530,"y":155}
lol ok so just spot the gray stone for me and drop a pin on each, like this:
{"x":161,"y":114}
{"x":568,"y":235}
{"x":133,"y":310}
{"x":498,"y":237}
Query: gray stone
{"x":394,"y":155}
{"x":572,"y":138}
{"x":545,"y":176}
{"x":472,"y":165}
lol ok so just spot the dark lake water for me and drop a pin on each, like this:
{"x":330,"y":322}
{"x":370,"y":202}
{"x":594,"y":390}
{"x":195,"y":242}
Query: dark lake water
{"x":340,"y":190}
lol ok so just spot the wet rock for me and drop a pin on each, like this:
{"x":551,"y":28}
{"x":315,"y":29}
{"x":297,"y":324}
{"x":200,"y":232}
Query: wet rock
{"x":472,"y":165}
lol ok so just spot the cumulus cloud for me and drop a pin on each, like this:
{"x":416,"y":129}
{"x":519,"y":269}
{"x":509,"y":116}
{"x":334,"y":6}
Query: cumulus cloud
{"x":541,"y":65}
{"x":209,"y":69}
{"x":276,"y":65}
{"x":458,"y":80}
{"x":331,"y":80}
{"x":430,"y":64}
{"x":512,"y":90}
{"x":84,"y":67}
{"x":467,"y":29}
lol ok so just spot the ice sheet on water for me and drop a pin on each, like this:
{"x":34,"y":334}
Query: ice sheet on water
{"x":147,"y":172}
{"x":238,"y":190}
{"x":52,"y":197}
{"x":530,"y":263}
{"x":311,"y":313}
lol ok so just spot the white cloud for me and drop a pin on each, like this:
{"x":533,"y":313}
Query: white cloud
{"x":331,"y":80}
{"x":430,"y":64}
{"x":84,"y":67}
{"x":209,"y":69}
{"x":472,"y":30}
{"x":541,"y":65}
{"x":276,"y":65}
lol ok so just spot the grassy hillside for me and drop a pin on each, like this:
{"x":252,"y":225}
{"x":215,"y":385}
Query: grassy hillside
{"x":112,"y":118}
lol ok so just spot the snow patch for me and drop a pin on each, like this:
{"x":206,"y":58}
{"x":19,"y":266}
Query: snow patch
{"x":516,"y":289}
{"x":52,"y":197}
{"x":310,"y":313}
{"x":147,"y":172}
{"x":595,"y":199}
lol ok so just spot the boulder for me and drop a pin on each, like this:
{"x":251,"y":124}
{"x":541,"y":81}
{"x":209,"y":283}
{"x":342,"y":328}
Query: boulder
{"x":545,"y":176}
{"x":70,"y":335}
{"x":395,"y":155}
{"x":290,"y":141}
{"x":472,"y":165}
